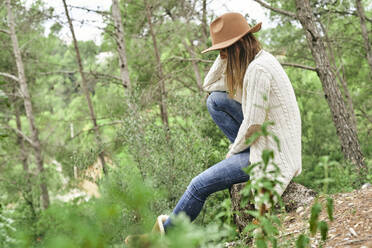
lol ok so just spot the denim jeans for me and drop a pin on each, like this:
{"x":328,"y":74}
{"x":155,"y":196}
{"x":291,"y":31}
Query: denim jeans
{"x":227,"y":114}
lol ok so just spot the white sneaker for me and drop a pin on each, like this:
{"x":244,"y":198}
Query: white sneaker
{"x":158,"y":226}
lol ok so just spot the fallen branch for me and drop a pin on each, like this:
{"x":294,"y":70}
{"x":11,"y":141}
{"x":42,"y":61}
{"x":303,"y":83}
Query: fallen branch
{"x":354,"y":242}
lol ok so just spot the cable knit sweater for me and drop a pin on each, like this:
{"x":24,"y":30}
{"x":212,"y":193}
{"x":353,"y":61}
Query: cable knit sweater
{"x":267,"y":95}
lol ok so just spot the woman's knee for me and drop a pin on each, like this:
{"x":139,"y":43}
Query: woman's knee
{"x":216,"y":99}
{"x":196,"y":188}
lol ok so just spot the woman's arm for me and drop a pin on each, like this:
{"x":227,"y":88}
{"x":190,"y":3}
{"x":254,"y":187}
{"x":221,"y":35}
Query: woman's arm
{"x":215,"y":79}
{"x":257,"y":87}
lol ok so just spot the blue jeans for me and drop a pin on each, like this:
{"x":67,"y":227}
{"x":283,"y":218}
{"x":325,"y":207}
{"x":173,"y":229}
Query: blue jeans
{"x":227,"y":114}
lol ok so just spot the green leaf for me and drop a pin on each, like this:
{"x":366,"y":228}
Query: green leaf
{"x":253,"y":137}
{"x":255,"y":214}
{"x":315,"y":211}
{"x":274,"y":242}
{"x":323,"y":226}
{"x":268,"y":227}
{"x":302,"y":241}
{"x":276,"y":139}
{"x":249,"y":228}
{"x":261,"y":243}
{"x":267,"y":155}
{"x":330,"y":208}
{"x":275,"y":219}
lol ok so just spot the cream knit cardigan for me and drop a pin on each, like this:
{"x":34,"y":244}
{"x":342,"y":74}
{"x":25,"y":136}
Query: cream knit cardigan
{"x":267,"y":95}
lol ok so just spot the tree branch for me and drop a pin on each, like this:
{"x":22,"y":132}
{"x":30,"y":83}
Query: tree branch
{"x":185,"y":84}
{"x":341,"y":12}
{"x":9,"y":76}
{"x":93,"y":73}
{"x":90,"y":10}
{"x":4,"y":31}
{"x":92,"y":129}
{"x":191,"y":59}
{"x":299,"y":66}
{"x":104,"y":75}
{"x":25,"y":137}
{"x":280,"y":11}
{"x":365,"y":115}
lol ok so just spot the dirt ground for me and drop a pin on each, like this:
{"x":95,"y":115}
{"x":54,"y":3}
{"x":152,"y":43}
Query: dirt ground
{"x":351,"y":227}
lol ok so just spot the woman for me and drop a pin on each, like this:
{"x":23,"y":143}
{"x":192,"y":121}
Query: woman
{"x":258,"y":90}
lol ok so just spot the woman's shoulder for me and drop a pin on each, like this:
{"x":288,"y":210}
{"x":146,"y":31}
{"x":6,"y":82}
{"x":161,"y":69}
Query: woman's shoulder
{"x":264,"y":61}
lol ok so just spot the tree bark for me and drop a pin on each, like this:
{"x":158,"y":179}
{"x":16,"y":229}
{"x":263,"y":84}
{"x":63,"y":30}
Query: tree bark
{"x":341,"y":77}
{"x":120,"y":43}
{"x":86,"y":92}
{"x":28,"y":106}
{"x":195,"y":67}
{"x":204,"y":22}
{"x":363,"y":26}
{"x":27,"y":192}
{"x":162,"y":104}
{"x":345,"y":130}
{"x":295,"y":196}
{"x":20,"y":141}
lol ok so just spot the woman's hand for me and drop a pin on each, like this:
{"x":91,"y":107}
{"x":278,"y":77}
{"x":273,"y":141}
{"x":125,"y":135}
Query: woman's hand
{"x":228,"y":155}
{"x":206,"y":96}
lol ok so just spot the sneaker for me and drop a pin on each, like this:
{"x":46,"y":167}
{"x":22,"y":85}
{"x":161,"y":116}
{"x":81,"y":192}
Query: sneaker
{"x":158,"y":226}
{"x":144,"y":240}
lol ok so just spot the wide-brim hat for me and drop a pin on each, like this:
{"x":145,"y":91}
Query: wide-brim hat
{"x":228,"y":29}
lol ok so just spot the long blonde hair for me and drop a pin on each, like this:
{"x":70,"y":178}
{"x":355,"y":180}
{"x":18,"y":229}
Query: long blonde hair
{"x":239,"y":56}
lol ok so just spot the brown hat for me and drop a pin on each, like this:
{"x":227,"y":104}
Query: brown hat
{"x":229,"y":28}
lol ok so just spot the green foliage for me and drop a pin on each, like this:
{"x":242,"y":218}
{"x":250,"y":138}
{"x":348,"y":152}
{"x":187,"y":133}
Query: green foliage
{"x":315,"y":212}
{"x":261,"y":189}
{"x":148,"y":172}
{"x":303,"y":241}
{"x":323,"y":226}
{"x":330,"y":207}
{"x":265,"y":228}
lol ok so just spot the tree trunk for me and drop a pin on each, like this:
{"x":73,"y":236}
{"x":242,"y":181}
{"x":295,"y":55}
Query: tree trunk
{"x":340,"y":76}
{"x":293,"y":197}
{"x":345,"y":130}
{"x":27,"y":192}
{"x":120,"y":43}
{"x":86,"y":92}
{"x":20,"y":141}
{"x":162,"y":104}
{"x":363,"y":26}
{"x":195,"y":67}
{"x":28,"y":106}
{"x":204,"y":22}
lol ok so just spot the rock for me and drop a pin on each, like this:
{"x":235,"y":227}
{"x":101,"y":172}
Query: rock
{"x":300,"y":209}
{"x":294,"y":197}
{"x":366,"y":185}
{"x":352,"y":231}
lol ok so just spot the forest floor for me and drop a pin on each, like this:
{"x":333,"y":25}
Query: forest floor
{"x":352,"y":224}
{"x":351,"y":227}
